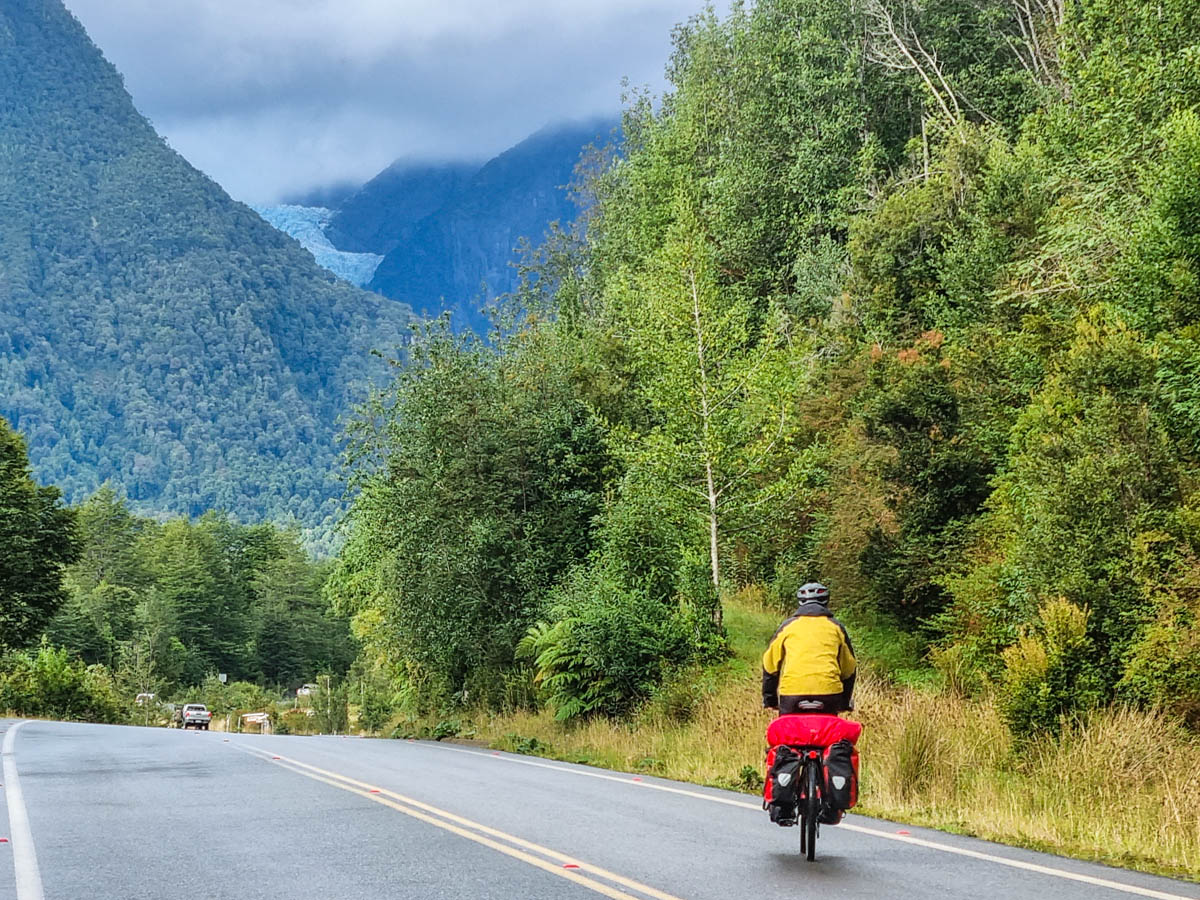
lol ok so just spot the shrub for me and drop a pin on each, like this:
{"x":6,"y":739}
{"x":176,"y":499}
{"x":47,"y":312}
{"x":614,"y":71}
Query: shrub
{"x":607,"y":647}
{"x":229,"y":697}
{"x":330,"y":706}
{"x":750,"y":779}
{"x":1048,"y":671}
{"x":293,"y":721}
{"x":446,"y":728}
{"x":376,"y":709}
{"x":529,"y":746}
{"x":1163,"y":667}
{"x":49,"y":684}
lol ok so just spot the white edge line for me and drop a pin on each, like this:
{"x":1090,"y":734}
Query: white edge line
{"x":25,"y":865}
{"x":873,"y":832}
{"x":623,"y":779}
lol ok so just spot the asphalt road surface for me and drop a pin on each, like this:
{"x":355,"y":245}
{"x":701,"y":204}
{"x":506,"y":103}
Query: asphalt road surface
{"x":93,"y":811}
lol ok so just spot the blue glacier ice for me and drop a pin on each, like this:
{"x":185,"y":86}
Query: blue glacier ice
{"x":307,"y":225}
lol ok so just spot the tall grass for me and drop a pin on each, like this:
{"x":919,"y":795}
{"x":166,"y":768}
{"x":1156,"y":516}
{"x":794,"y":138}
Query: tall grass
{"x":1121,"y":787}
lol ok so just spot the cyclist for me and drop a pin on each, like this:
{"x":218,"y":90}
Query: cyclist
{"x":809,"y":666}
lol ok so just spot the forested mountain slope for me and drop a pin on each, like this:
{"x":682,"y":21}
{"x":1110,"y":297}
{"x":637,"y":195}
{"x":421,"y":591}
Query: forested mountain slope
{"x":153,"y":331}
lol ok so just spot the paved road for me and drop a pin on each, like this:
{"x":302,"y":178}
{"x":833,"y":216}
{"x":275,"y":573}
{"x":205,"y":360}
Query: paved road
{"x":133,"y":813}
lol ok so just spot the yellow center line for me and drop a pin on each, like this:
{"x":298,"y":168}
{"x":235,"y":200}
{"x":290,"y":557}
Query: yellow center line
{"x":473,"y":831}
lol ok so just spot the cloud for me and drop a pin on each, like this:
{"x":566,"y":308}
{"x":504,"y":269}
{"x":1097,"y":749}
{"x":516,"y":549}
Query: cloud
{"x":273,"y":97}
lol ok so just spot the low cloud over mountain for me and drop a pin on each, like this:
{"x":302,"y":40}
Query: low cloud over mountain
{"x":273,"y":97}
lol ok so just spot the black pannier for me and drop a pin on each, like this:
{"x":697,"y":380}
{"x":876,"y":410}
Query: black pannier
{"x":785,"y":785}
{"x":841,"y":775}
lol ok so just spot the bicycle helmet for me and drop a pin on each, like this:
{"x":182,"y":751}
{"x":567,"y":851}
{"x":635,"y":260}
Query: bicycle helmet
{"x":814,"y":590}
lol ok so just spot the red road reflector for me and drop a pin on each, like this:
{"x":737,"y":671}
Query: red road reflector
{"x":903,"y":832}
{"x":3,"y":840}
{"x":495,"y":754}
{"x":274,"y":757}
{"x":570,"y":866}
{"x":636,"y":778}
{"x":373,"y":791}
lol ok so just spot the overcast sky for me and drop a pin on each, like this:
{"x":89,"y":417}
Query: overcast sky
{"x":274,"y":97}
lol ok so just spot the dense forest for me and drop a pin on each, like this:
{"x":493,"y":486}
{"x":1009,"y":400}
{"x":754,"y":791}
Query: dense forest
{"x":153,"y":332}
{"x":122,"y":605}
{"x":902,"y":297}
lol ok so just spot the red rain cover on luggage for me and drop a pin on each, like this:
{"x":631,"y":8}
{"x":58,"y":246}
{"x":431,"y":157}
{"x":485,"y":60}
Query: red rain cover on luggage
{"x":812,"y":731}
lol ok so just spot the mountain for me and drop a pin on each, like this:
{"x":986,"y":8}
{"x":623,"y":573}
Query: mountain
{"x":154,"y":332}
{"x":381,"y":214}
{"x":448,"y":233}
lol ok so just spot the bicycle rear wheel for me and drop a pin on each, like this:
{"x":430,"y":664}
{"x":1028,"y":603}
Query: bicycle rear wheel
{"x":812,"y":809}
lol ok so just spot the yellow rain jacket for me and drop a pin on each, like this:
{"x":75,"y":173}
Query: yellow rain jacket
{"x":810,"y":655}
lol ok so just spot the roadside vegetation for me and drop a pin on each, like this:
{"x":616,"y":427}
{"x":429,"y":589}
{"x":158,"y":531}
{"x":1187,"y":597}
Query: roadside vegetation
{"x":904,"y":298}
{"x":922,"y":329}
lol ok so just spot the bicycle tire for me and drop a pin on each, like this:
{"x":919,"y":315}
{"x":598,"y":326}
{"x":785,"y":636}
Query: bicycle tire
{"x":812,"y":808}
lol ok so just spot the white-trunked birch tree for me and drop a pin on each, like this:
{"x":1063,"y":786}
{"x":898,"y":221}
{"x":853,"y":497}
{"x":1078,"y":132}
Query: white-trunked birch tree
{"x":714,"y":373}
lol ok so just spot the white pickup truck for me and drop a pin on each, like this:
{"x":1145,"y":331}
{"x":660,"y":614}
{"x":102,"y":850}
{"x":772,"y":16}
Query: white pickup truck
{"x":195,"y":715}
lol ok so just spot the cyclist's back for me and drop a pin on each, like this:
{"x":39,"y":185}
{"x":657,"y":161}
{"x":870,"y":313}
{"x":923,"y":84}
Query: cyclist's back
{"x":809,"y":666}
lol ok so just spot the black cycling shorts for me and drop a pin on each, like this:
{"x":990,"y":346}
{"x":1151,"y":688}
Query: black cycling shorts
{"x":791,"y":704}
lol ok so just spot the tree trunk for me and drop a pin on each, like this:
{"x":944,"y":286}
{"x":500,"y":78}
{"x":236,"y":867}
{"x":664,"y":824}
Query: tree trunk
{"x":710,"y":481}
{"x":713,"y":552}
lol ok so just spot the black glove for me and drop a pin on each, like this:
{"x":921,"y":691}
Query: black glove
{"x":770,"y":689}
{"x":848,"y":692}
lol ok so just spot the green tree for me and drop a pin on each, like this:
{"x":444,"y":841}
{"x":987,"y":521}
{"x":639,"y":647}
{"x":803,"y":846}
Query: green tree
{"x":331,"y":705}
{"x":938,"y":474}
{"x":183,"y":560}
{"x":480,"y":475}
{"x":1090,"y":470}
{"x":710,"y":377}
{"x":297,"y":635}
{"x":38,"y":537}
{"x":110,"y":535}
